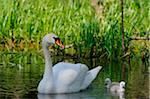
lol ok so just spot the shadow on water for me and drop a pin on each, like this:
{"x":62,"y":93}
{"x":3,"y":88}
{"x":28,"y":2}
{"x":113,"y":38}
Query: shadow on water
{"x":20,"y":74}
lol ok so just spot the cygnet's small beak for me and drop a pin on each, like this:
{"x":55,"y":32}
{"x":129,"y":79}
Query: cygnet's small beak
{"x":123,"y":86}
{"x":59,"y":43}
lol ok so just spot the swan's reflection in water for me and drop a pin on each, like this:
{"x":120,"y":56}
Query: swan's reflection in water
{"x":83,"y":95}
{"x":79,"y":95}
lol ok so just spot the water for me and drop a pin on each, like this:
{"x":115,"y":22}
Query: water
{"x":20,"y":74}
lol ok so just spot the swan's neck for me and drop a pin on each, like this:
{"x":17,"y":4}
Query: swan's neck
{"x":48,"y":72}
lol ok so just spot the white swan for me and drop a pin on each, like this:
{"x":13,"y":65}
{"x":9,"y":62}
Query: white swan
{"x":63,"y":77}
{"x":115,"y":87}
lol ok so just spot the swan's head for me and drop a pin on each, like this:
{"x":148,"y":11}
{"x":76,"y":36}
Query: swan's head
{"x":50,"y":39}
{"x":122,"y":84}
{"x":107,"y":82}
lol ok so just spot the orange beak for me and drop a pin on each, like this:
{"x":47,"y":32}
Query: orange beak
{"x":59,"y":43}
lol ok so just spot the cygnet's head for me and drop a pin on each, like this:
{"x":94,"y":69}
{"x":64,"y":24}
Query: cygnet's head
{"x":50,"y":39}
{"x":122,"y":84}
{"x":107,"y":82}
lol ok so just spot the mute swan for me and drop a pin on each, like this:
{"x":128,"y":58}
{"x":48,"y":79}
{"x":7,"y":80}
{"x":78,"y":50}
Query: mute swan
{"x":63,"y":77}
{"x":115,"y":87}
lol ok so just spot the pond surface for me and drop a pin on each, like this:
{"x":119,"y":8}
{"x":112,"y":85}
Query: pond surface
{"x":20,"y":74}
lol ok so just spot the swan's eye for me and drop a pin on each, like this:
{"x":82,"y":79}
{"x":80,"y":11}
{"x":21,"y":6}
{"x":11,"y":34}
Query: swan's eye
{"x":57,"y":39}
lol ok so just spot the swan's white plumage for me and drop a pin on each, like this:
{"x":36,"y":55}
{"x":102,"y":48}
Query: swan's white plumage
{"x":69,"y":76}
{"x":90,"y":75}
{"x":64,"y":77}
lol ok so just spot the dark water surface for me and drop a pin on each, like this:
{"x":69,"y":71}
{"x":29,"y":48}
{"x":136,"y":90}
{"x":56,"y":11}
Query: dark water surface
{"x":20,"y":74}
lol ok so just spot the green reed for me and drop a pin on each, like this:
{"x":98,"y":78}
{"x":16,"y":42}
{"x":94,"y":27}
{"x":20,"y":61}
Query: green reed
{"x":23,"y":24}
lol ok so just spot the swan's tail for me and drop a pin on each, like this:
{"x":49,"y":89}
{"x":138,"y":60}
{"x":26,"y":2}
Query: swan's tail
{"x":91,"y":75}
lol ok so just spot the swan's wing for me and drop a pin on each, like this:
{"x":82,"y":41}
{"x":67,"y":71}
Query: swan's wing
{"x":90,"y":76}
{"x":69,"y":74}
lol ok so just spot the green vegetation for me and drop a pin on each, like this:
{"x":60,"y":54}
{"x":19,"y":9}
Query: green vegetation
{"x":92,"y":29}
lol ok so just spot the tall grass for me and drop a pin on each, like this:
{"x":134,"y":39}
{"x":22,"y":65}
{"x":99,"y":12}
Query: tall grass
{"x":23,"y":23}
